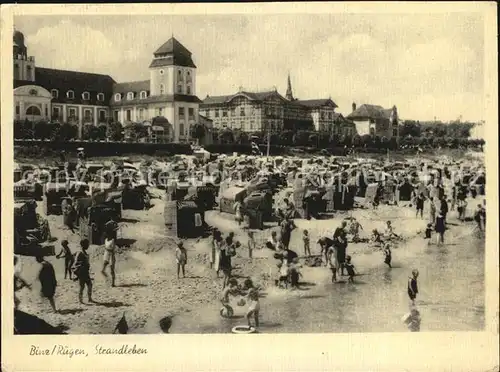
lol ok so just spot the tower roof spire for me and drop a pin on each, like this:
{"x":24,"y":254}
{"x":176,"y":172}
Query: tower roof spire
{"x":289,"y":92}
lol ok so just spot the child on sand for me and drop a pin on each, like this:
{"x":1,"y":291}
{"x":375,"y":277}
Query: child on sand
{"x":350,"y":269}
{"x":376,"y":237}
{"x":389,"y":231}
{"x":230,"y":289}
{"x":387,"y":255}
{"x":253,"y":307}
{"x":181,"y":258}
{"x":251,"y":243}
{"x":307,"y":247}
{"x":412,"y":320}
{"x":69,"y":259}
{"x":413,"y":286}
{"x":419,"y":203}
{"x":333,"y":262}
{"x":295,"y":274}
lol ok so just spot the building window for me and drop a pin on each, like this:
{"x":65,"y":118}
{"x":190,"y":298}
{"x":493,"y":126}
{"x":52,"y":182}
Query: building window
{"x":179,"y":75}
{"x":330,"y":115}
{"x":322,"y":114}
{"x":72,"y":112}
{"x":18,"y":110}
{"x":55,"y":93}
{"x":100,"y":96}
{"x":16,"y":72}
{"x":28,"y":73}
{"x":162,"y":72}
{"x":46,"y":111}
{"x":188,"y":77}
{"x":130,"y":96}
{"x":224,"y":113}
{"x":188,"y":90}
{"x":129,"y":115}
{"x":191,"y":112}
{"x":87,"y":114}
{"x":33,"y":110}
{"x":118,"y":97}
{"x":144,"y":94}
{"x":141,"y":113}
{"x":181,"y":129}
{"x":102,"y":115}
{"x":179,"y":89}
{"x":115,"y":115}
{"x":242,"y":111}
{"x":181,"y":112}
{"x":55,"y":112}
{"x":162,"y":89}
{"x":85,"y":96}
{"x":216,"y":111}
{"x":70,"y":94}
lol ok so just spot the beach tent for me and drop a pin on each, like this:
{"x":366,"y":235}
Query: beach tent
{"x":229,"y":197}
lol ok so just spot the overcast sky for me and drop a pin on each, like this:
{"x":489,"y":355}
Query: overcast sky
{"x":427,"y":65}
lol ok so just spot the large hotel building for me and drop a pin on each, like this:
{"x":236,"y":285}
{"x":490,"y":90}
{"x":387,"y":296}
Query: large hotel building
{"x":270,"y":111}
{"x":166,"y":103}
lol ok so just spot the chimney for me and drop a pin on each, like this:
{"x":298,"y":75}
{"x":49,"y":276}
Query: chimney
{"x":353,"y":106}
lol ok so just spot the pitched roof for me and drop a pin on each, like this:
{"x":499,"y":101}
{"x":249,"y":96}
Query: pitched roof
{"x":154,"y":99}
{"x":172,"y":53}
{"x":253,"y":96}
{"x":132,"y":86}
{"x":370,"y":111}
{"x":313,"y":103}
{"x":77,"y":81}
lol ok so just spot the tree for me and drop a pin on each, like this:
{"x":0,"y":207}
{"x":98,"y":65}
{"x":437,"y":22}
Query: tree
{"x":300,"y":138}
{"x":410,"y":127}
{"x":55,"y":132}
{"x":68,"y":132}
{"x":102,"y":132}
{"x":23,"y":129}
{"x":136,"y":131}
{"x":87,"y":129}
{"x":226,"y":136}
{"x":114,"y":131}
{"x":198,"y":132}
{"x":366,"y":140}
{"x":42,"y":130}
{"x":94,"y":133}
{"x":356,"y":140}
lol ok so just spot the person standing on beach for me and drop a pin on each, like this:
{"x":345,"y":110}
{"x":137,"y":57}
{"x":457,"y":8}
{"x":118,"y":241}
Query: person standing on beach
{"x":444,"y":207}
{"x":69,"y":259}
{"x":413,"y":286}
{"x":419,"y":203}
{"x":325,"y":244}
{"x":333,"y":262}
{"x":47,"y":278}
{"x":340,"y":241}
{"x":432,"y":210}
{"x":181,"y":259}
{"x":387,"y":255}
{"x":251,"y":244}
{"x":440,"y":228}
{"x":109,"y":257}
{"x":81,"y":269}
{"x":307,"y":243}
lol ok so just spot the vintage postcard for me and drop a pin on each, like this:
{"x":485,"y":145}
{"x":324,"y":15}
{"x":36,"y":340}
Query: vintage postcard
{"x":311,"y":175}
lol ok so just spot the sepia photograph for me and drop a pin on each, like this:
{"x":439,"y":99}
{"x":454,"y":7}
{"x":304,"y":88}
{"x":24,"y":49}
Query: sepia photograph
{"x":241,"y":179}
{"x":247,"y":172}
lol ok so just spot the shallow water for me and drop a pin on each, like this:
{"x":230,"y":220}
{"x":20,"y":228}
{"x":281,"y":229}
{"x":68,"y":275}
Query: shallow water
{"x":451,"y":296}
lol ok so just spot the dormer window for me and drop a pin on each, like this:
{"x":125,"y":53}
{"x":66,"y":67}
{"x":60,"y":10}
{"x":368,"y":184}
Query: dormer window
{"x":118,"y":97}
{"x":100,"y":97}
{"x":144,"y":94}
{"x":70,"y":94}
{"x":130,"y":96}
{"x":85,"y":96}
{"x":55,"y":93}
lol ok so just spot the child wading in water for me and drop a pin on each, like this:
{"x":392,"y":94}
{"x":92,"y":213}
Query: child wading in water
{"x":181,"y":258}
{"x":387,"y":255}
{"x":413,"y":286}
{"x":350,"y":269}
{"x":68,"y":258}
{"x":307,"y":241}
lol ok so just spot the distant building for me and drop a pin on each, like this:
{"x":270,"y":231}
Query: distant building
{"x":269,"y":110}
{"x":375,"y":120}
{"x":80,"y":98}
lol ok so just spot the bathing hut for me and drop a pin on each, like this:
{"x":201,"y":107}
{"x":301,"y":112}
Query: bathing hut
{"x":230,"y":196}
{"x":183,"y":219}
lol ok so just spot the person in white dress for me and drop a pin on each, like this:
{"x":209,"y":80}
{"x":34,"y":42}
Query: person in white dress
{"x":109,"y":257}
